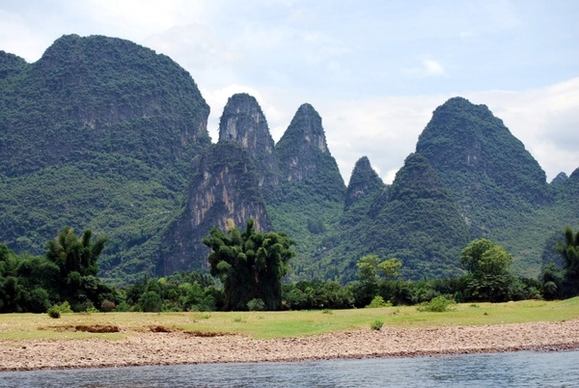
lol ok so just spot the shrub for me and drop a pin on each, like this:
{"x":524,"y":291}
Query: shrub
{"x":123,"y":307}
{"x":107,"y":306}
{"x":256,"y":305}
{"x":63,"y":308}
{"x":54,"y":312}
{"x":378,"y":301}
{"x":38,"y":300}
{"x":377,"y":324}
{"x":89,"y":308}
{"x":438,"y":304}
{"x":150,"y":301}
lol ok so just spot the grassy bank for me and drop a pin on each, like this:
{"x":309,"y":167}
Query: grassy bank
{"x":281,"y":324}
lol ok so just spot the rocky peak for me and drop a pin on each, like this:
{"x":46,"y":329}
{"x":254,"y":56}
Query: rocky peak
{"x":363,"y":182}
{"x":303,"y":156}
{"x":306,"y":131}
{"x":243,"y":123}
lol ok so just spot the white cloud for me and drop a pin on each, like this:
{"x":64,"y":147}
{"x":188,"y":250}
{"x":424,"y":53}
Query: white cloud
{"x":427,"y":68}
{"x":432,"y":67}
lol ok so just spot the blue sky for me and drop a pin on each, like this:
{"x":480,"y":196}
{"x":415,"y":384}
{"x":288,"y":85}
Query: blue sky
{"x":375,"y":70}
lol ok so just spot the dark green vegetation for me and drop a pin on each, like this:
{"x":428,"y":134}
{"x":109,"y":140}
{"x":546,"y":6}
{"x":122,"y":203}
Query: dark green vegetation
{"x":105,"y":134}
{"x":68,"y":272}
{"x":469,"y":178}
{"x":100,"y":132}
{"x":563,"y":280}
{"x":250,"y":265}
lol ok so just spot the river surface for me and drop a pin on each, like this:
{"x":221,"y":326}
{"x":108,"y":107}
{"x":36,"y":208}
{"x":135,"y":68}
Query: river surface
{"x":519,"y":369}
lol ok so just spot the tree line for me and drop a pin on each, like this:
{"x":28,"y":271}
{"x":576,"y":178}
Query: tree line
{"x":247,"y":270}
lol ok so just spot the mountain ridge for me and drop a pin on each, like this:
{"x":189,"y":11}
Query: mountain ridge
{"x":112,"y":136}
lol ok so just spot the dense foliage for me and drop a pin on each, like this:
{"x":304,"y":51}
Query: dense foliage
{"x":68,"y":272}
{"x":98,"y":133}
{"x":250,"y":265}
{"x":248,"y":269}
{"x":563,"y":281}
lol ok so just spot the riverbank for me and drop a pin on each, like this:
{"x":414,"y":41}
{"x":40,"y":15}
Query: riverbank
{"x":188,"y":348}
{"x":35,"y":342}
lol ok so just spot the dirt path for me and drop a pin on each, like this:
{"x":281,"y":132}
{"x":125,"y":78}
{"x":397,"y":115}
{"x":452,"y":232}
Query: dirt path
{"x":179,"y":348}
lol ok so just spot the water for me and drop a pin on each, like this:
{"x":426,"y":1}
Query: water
{"x":521,"y":369}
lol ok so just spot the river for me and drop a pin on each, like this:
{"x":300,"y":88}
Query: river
{"x":518,"y":369}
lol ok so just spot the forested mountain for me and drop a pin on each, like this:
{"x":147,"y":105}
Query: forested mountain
{"x":104,"y":134}
{"x":308,"y":198}
{"x":99,"y":133}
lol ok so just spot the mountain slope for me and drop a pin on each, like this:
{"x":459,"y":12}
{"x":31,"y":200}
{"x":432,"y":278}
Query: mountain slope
{"x":307,"y":199}
{"x":420,"y":223}
{"x":225,"y":186}
{"x":483,"y":164}
{"x":98,"y":133}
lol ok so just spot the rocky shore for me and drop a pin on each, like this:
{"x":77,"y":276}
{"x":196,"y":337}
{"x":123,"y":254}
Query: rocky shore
{"x":164,"y":348}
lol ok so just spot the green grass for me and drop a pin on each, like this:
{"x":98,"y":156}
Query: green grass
{"x":285,"y":323}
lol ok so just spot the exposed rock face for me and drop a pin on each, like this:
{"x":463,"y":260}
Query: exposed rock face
{"x":303,"y":154}
{"x":224,"y":187}
{"x":364,"y":182}
{"x":244,"y":124}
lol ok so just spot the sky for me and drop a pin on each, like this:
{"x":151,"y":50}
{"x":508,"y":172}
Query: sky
{"x":374,"y":70}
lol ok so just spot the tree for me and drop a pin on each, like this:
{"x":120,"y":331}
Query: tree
{"x":372,"y":271}
{"x":371,"y":268}
{"x":488,"y":265}
{"x":250,"y":264}
{"x":77,"y":261}
{"x":570,"y":252}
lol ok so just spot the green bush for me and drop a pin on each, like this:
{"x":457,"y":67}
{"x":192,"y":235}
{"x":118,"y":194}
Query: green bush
{"x":123,"y":307}
{"x":150,"y":301}
{"x":377,"y":324}
{"x":38,"y":300}
{"x":378,"y":301}
{"x":438,"y":304}
{"x":256,"y":305}
{"x":54,"y":312}
{"x":63,"y":308}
